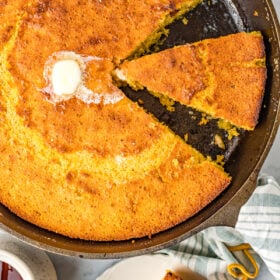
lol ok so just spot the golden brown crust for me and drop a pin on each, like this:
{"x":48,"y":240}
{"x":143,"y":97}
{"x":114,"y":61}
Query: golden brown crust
{"x":77,"y":197}
{"x":224,"y":77}
{"x":98,"y":172}
{"x":70,"y":25}
{"x":105,"y":29}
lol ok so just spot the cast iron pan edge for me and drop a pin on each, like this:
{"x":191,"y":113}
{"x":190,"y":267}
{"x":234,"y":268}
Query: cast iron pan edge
{"x":223,"y":211}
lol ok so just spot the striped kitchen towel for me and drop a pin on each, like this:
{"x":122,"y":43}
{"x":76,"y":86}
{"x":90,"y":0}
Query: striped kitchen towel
{"x":220,"y":253}
{"x":259,"y":222}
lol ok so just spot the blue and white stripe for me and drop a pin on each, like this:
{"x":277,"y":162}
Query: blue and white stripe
{"x":258,"y":224}
{"x":206,"y":252}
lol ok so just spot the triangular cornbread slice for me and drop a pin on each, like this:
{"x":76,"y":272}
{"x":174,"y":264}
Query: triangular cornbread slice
{"x":223,"y":77}
{"x":86,"y":170}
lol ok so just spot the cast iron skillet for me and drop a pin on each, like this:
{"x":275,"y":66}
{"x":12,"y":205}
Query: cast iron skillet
{"x":218,"y":18}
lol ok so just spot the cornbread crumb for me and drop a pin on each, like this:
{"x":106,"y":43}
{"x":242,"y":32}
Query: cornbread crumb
{"x":204,"y":120}
{"x":166,"y":101}
{"x":220,"y":160}
{"x":185,"y":21}
{"x":219,"y":141}
{"x":232,"y":133}
{"x":229,"y":128}
{"x":171,"y":276}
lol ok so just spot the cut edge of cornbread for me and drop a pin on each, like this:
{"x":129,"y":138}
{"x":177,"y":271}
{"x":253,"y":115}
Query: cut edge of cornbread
{"x":168,"y":103}
{"x":154,"y":37}
{"x":124,"y":78}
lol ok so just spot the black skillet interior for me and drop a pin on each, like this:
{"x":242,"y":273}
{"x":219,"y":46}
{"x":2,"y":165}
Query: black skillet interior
{"x":212,"y":18}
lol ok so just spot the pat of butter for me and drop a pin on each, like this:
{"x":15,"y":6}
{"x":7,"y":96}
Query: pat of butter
{"x":66,"y":77}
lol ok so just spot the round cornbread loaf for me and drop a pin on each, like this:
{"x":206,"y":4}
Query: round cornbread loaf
{"x":91,"y":170}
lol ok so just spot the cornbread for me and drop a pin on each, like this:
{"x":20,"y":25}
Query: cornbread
{"x":85,"y":161}
{"x":171,"y":276}
{"x":223,"y":77}
{"x":111,"y":30}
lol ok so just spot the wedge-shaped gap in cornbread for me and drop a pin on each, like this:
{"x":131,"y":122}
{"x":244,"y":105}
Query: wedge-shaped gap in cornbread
{"x":200,"y":23}
{"x":197,"y":129}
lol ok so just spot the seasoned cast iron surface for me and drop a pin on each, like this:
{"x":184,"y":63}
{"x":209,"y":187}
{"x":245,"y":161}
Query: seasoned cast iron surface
{"x":209,"y":20}
{"x":186,"y":120}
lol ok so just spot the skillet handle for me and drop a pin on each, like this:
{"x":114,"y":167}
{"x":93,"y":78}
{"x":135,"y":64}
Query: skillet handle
{"x":227,"y":215}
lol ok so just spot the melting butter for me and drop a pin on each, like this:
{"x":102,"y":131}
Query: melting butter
{"x":66,"y":77}
{"x":65,"y":72}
